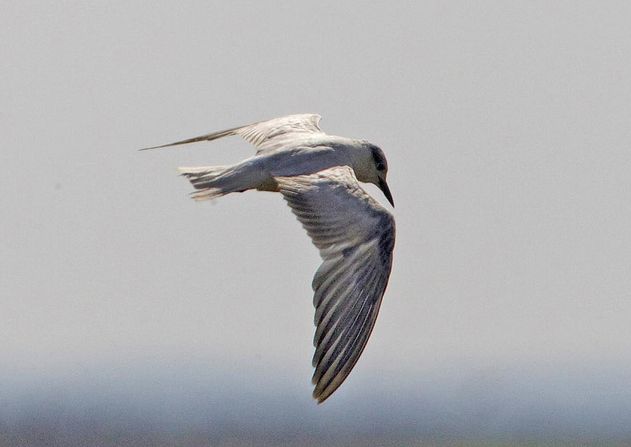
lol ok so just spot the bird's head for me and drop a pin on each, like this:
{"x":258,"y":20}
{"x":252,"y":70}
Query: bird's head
{"x":373,"y":168}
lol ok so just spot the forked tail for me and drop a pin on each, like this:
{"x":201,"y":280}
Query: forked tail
{"x":206,"y":180}
{"x":216,"y":181}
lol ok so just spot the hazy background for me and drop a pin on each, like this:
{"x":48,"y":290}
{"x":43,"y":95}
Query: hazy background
{"x":131,"y":315}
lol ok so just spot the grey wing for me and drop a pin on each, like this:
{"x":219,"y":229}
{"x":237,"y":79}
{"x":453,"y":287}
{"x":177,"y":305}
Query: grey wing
{"x":264,"y":135}
{"x":355,"y":236}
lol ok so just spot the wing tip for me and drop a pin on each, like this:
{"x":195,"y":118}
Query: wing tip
{"x":324,"y":389}
{"x":164,"y":145}
{"x":321,"y":395}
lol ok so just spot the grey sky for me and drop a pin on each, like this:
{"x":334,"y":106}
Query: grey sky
{"x":507,"y":127}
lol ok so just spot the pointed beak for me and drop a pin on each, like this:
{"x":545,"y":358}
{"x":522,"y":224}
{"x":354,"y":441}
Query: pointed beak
{"x":383,"y":186}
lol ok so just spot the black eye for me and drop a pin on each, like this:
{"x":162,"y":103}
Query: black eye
{"x":380,"y":166}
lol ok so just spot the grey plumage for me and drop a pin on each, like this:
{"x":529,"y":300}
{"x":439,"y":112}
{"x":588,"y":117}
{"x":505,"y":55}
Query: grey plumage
{"x":355,"y":236}
{"x":264,"y":135}
{"x":317,"y":174}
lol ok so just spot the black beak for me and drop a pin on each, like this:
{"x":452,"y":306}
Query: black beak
{"x":383,"y":186}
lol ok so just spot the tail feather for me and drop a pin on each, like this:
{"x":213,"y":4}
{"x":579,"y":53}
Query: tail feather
{"x":215,"y":181}
{"x":206,"y":180}
{"x":203,"y":177}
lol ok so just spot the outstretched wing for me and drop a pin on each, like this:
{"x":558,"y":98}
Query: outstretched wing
{"x":264,"y":135}
{"x":355,"y":236}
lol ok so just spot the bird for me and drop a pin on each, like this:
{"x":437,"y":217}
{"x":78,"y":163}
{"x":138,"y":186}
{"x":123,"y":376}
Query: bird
{"x":318,"y":175}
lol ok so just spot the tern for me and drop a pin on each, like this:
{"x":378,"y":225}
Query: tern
{"x":318,"y":175}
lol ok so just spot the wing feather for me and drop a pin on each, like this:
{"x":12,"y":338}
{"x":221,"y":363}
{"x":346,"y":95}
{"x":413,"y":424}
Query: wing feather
{"x":264,"y":135}
{"x":355,"y":236}
{"x":279,"y":132}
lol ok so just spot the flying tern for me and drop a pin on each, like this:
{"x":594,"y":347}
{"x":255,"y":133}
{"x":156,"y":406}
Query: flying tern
{"x":318,"y":175}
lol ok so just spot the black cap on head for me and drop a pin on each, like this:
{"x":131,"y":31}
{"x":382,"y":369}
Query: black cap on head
{"x":379,"y":157}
